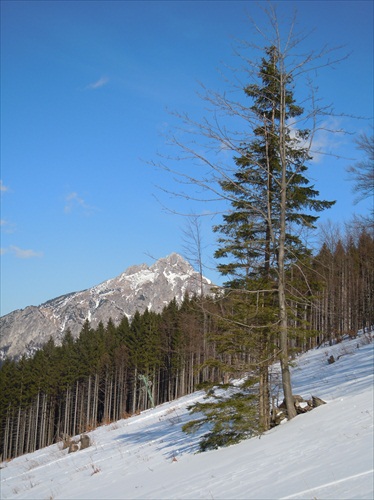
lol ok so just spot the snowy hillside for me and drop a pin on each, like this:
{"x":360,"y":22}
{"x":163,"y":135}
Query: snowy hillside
{"x":326,"y":453}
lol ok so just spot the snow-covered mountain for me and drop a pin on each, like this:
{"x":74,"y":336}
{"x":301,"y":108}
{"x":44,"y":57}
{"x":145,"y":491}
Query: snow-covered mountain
{"x":138,"y":288}
{"x":325,"y":453}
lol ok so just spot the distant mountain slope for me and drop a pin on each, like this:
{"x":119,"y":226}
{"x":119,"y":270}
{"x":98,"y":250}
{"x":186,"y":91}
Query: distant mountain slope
{"x":138,"y":288}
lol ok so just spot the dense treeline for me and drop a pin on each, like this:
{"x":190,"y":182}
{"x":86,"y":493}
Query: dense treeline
{"x":345,"y":303}
{"x":113,"y":371}
{"x":104,"y":375}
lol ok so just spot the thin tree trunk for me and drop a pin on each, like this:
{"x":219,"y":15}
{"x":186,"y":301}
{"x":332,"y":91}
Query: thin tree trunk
{"x":283,"y":323}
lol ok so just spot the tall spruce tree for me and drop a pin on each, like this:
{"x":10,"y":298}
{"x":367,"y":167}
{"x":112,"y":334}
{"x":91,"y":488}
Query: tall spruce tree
{"x":266,"y":187}
{"x":270,"y":195}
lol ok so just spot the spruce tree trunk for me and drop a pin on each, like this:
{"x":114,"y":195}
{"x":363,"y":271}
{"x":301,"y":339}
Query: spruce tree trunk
{"x":264,"y":398}
{"x":95,"y":404}
{"x":11,"y":427}
{"x":88,"y":417}
{"x":285,"y":369}
{"x":17,"y":431}
{"x":36,"y":424}
{"x":23,"y":433}
{"x":74,"y":432}
{"x":283,"y":323}
{"x":134,"y":389}
{"x":7,"y":438}
{"x":28,"y":435}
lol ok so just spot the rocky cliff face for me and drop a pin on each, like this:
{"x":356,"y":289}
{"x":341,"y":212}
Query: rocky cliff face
{"x":139,"y":287}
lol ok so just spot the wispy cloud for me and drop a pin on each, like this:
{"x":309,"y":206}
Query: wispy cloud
{"x":327,"y":139}
{"x":98,"y":84}
{"x":7,"y":226}
{"x":74,"y":201}
{"x":3,"y":188}
{"x":21,"y":253}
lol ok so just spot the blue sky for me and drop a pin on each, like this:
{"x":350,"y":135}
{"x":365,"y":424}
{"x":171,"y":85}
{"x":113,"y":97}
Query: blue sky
{"x":85,"y":93}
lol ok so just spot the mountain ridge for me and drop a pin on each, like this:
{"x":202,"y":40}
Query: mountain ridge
{"x":139,"y":287}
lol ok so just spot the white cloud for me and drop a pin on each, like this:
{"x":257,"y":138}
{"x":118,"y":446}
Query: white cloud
{"x":98,"y":84}
{"x":73,"y":200}
{"x":326,"y":141}
{"x":20,"y":253}
{"x":3,"y":188}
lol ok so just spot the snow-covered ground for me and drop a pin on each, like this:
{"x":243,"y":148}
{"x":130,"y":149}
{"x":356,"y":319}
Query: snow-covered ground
{"x":326,"y":453}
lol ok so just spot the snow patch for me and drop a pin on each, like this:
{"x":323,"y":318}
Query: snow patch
{"x":326,"y":453}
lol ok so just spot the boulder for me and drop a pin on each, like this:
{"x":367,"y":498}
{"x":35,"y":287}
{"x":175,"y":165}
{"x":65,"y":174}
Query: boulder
{"x":303,"y":407}
{"x":279,"y":414}
{"x":298,"y":401}
{"x":317,"y":401}
{"x":65,"y":442}
{"x":73,"y":446}
{"x":85,"y":441}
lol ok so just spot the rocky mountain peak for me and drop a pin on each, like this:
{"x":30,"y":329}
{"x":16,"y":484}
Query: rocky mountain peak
{"x":134,"y":269}
{"x":139,"y":287}
{"x":174,"y":260}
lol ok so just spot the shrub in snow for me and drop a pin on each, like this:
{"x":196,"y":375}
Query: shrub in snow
{"x":230,"y":418}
